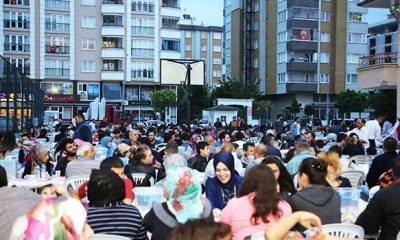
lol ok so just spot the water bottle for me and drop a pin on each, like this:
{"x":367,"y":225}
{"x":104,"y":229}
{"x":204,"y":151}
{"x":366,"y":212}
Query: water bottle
{"x":43,"y":172}
{"x":37,"y":172}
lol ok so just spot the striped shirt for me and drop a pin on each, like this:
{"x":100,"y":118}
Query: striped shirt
{"x":81,"y":167}
{"x":120,"y":219}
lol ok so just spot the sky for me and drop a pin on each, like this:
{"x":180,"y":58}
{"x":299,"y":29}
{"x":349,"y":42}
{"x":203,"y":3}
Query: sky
{"x":210,"y":12}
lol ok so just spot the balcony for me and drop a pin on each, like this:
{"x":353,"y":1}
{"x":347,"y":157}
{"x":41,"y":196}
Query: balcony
{"x":301,"y":66}
{"x":112,"y":75}
{"x":15,"y":24}
{"x":170,"y":3}
{"x":301,"y":85}
{"x":57,"y":4}
{"x":171,"y":12}
{"x":57,"y":49}
{"x":56,"y":72}
{"x":302,"y":3}
{"x":112,"y":53}
{"x":15,"y":47}
{"x":107,"y":30}
{"x":378,"y":71}
{"x":301,"y":46}
{"x":112,"y":7}
{"x":142,"y":75}
{"x":144,"y":7}
{"x":142,"y":52}
{"x":304,"y":23}
{"x":57,"y":27}
{"x":142,"y":30}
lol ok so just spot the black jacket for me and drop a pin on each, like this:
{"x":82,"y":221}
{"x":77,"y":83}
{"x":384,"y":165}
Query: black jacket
{"x":198,"y":162}
{"x":134,"y":167}
{"x":353,"y":149}
{"x":383,"y":211}
{"x":380,"y":165}
{"x":320,"y":200}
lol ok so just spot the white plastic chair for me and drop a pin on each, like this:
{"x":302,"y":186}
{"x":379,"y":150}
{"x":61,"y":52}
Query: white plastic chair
{"x":344,"y":230}
{"x":73,"y":183}
{"x":355,"y":177}
{"x":373,"y":190}
{"x":296,"y":181}
{"x":107,"y":237}
{"x":360,"y":159}
{"x":139,"y":177}
{"x":398,"y":236}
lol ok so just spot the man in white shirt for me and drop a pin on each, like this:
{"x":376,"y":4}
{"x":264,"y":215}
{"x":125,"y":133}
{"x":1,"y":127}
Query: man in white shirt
{"x":362,"y":132}
{"x":374,"y":133}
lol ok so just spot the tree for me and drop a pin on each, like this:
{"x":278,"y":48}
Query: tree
{"x":233,"y":88}
{"x":201,"y":99}
{"x":295,"y":107}
{"x":162,"y":99}
{"x":351,"y":101}
{"x":384,"y":103}
{"x":265,"y":107}
{"x":309,"y":110}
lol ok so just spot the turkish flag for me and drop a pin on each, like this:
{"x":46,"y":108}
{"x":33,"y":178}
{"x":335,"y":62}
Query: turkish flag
{"x":303,"y":34}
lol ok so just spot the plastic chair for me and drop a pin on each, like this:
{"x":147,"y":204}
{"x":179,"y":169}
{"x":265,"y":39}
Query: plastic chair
{"x":107,"y":237}
{"x":296,"y":181}
{"x":139,"y":177}
{"x":360,"y":159}
{"x":398,"y":236}
{"x":373,"y":190}
{"x":344,"y":230}
{"x":355,"y":177}
{"x":73,"y":183}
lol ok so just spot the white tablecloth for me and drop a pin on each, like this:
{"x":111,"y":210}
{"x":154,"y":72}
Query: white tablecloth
{"x":35,"y":183}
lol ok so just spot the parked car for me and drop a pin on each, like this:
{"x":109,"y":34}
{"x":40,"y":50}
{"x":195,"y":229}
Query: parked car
{"x":156,"y":123}
{"x":205,"y":123}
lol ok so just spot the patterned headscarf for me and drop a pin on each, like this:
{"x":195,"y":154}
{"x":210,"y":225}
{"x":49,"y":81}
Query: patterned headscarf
{"x":55,"y":219}
{"x":183,"y":192}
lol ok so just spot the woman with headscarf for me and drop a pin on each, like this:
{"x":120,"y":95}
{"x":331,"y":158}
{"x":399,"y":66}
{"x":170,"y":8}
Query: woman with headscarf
{"x":225,"y":185}
{"x":182,"y":189}
{"x":107,"y":212}
{"x":108,"y":145}
{"x":40,"y":157}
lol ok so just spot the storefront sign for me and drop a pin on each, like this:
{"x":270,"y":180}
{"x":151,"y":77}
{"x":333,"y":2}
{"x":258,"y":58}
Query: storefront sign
{"x":60,"y":98}
{"x":139,"y":103}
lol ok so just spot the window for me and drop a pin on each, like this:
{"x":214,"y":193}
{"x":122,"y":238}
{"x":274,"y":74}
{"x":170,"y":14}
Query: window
{"x":353,"y":58}
{"x":112,"y":42}
{"x":88,"y":66}
{"x":56,"y":68}
{"x":57,"y":45}
{"x":188,"y":34}
{"x":88,"y":22}
{"x":282,"y":57}
{"x":143,"y":6}
{"x":217,"y":60}
{"x":112,"y":91}
{"x":357,"y":37}
{"x":217,"y":73}
{"x":112,"y":65}
{"x":170,"y":45}
{"x":88,"y":44}
{"x":55,"y":22}
{"x":62,"y":88}
{"x":281,"y":77}
{"x":255,"y":25}
{"x":325,"y":57}
{"x":351,"y":78}
{"x":143,"y":26}
{"x":356,"y":17}
{"x":255,"y":63}
{"x":203,"y":35}
{"x":255,"y":44}
{"x":324,"y":78}
{"x":17,"y":20}
{"x":282,"y":36}
{"x":142,"y":70}
{"x":325,"y":37}
{"x":188,"y":47}
{"x":217,"y":35}
{"x":17,"y":2}
{"x":282,"y":16}
{"x":203,"y":48}
{"x":16,"y":43}
{"x":57,"y":4}
{"x":132,"y":93}
{"x":325,"y":16}
{"x":143,"y":48}
{"x":21,"y":63}
{"x":169,"y":23}
{"x":112,"y":20}
{"x":88,"y":91}
{"x":89,"y":2}
{"x":217,"y":48}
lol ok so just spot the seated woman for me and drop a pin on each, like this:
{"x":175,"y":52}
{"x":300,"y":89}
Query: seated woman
{"x":40,"y":157}
{"x":258,"y":203}
{"x":334,"y":170}
{"x":225,"y":185}
{"x":353,"y":146}
{"x":108,"y":145}
{"x":284,"y":184}
{"x":44,"y":133}
{"x":182,"y":189}
{"x":314,"y":197}
{"x":107,"y":212}
{"x":141,"y":162}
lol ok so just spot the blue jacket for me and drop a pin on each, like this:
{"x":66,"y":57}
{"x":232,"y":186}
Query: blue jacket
{"x":293,"y":165}
{"x":294,"y":128}
{"x":83,"y":132}
{"x":214,"y":192}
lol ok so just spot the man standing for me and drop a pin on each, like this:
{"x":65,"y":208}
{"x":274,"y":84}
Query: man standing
{"x":68,"y":151}
{"x":269,"y":141}
{"x":83,"y":130}
{"x":361,"y":131}
{"x":295,"y":128}
{"x":374,"y":132}
{"x":278,"y":125}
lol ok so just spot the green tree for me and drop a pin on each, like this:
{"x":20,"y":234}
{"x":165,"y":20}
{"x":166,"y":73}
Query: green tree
{"x":295,"y":107}
{"x":351,"y":101}
{"x":162,"y":99}
{"x":384,"y":103}
{"x":264,"y":106}
{"x":309,"y":110}
{"x":233,"y":88}
{"x":201,"y":99}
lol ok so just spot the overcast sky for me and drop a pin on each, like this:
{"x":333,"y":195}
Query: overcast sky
{"x":210,"y":12}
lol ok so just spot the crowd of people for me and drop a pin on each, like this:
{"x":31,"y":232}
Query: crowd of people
{"x":229,"y":181}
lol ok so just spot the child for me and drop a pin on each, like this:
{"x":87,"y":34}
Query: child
{"x":48,"y":191}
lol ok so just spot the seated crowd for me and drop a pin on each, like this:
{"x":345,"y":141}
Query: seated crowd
{"x":217,"y":183}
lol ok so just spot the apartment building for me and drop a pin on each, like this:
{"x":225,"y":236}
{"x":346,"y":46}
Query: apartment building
{"x":307,"y":50}
{"x":83,"y":49}
{"x":202,"y":43}
{"x":383,"y":37}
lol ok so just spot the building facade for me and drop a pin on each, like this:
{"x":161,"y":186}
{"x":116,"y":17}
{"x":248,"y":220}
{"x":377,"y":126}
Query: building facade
{"x":203,"y":43}
{"x":307,"y":50}
{"x":80,"y":50}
